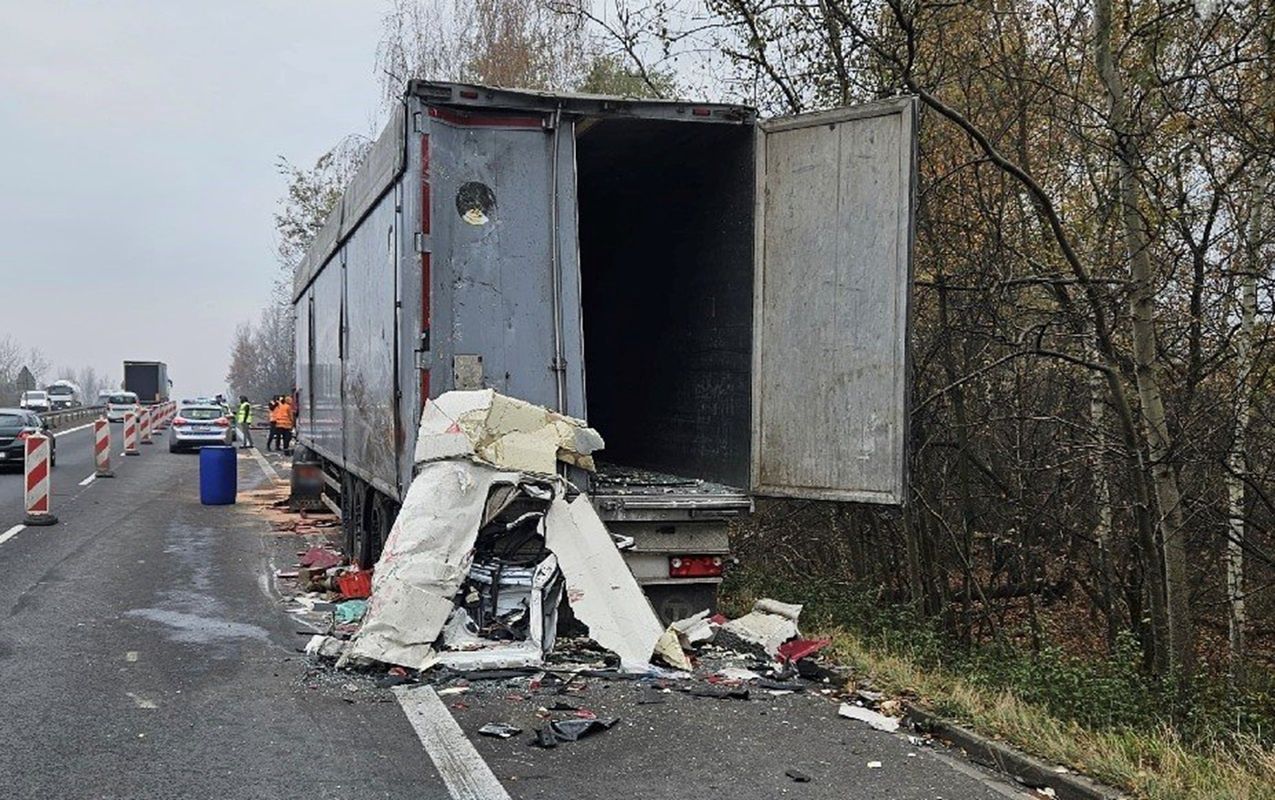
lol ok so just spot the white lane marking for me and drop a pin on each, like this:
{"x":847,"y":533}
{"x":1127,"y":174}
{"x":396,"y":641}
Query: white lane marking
{"x":466,"y":774}
{"x":89,"y":479}
{"x":71,"y":430}
{"x":12,"y":532}
{"x":266,"y":466}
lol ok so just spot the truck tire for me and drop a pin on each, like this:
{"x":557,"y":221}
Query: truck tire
{"x":358,"y":545}
{"x":381,"y":512}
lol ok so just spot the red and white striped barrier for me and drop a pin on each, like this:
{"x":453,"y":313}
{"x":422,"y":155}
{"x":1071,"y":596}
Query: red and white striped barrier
{"x":37,"y":481}
{"x":130,"y":434}
{"x":144,"y":426}
{"x":102,"y":448}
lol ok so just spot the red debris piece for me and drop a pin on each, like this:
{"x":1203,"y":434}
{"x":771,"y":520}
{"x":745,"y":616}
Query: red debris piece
{"x":584,"y":713}
{"x":718,"y":619}
{"x":356,"y":584}
{"x":797,"y":649}
{"x":398,"y":672}
{"x":320,"y":558}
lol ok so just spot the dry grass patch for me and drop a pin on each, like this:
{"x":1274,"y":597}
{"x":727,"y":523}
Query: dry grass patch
{"x":1148,"y":764}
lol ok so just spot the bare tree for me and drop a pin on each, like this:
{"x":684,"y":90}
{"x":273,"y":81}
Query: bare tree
{"x":512,"y":43}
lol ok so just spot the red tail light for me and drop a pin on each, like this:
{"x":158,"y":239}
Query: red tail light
{"x":694,"y":566}
{"x":222,"y":422}
{"x":180,"y":421}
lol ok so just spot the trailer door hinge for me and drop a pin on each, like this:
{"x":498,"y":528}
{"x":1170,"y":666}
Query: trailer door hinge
{"x":418,"y":241}
{"x":558,"y":364}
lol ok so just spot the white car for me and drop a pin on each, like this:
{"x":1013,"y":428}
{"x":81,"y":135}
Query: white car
{"x":119,"y":404}
{"x":196,"y":425}
{"x":35,"y":400}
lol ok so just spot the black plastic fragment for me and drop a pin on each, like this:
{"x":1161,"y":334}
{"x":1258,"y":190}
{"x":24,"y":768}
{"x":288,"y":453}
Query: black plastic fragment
{"x":545,"y":738}
{"x":571,"y":730}
{"x":720,"y":694}
{"x":797,"y":776}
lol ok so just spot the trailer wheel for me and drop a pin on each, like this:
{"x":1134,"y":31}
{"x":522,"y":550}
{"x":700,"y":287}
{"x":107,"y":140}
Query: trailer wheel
{"x":381,"y":512}
{"x":353,"y":520}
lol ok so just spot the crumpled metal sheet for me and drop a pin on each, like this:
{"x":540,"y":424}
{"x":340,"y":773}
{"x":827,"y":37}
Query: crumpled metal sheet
{"x":430,"y":551}
{"x":425,"y":560}
{"x":504,"y":432}
{"x":601,"y":590}
{"x":476,"y":451}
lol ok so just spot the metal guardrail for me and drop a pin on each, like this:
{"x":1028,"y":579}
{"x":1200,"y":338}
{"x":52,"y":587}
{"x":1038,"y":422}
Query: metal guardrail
{"x":58,"y":419}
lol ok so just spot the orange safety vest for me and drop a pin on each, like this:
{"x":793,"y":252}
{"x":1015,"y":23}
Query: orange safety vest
{"x":286,"y":416}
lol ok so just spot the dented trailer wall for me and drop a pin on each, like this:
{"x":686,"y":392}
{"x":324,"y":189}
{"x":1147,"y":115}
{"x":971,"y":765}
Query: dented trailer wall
{"x":354,"y":410}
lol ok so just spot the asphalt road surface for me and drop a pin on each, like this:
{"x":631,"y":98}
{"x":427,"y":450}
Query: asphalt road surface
{"x":145,"y":653}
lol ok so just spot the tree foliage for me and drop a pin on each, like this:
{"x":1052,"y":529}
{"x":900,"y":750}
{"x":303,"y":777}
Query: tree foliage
{"x":1088,"y":190}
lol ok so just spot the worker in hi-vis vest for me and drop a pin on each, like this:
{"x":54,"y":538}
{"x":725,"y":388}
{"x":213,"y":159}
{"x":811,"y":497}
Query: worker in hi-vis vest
{"x":244,"y":418}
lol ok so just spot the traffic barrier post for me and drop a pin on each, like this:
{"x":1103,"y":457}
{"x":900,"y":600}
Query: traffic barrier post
{"x":102,"y":448}
{"x":144,"y":426}
{"x":130,"y":434}
{"x":37,"y":481}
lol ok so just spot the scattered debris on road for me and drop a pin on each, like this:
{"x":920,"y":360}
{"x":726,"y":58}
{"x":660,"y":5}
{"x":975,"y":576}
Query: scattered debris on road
{"x":877,"y":720}
{"x":797,"y":776}
{"x":500,"y":730}
{"x":571,"y":730}
{"x":490,"y":543}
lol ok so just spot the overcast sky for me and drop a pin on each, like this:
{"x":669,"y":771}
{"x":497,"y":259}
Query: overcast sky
{"x":137,"y":149}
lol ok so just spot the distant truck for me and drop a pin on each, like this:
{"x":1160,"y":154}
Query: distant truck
{"x":148,"y":380}
{"x":725,"y":298}
{"x":64,"y":394}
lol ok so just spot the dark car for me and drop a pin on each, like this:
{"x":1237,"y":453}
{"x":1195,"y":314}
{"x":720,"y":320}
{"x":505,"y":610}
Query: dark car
{"x":16,"y":424}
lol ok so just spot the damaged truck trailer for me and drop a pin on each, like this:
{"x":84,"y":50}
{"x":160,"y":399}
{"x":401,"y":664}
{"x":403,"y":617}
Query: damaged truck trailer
{"x":724,"y":298}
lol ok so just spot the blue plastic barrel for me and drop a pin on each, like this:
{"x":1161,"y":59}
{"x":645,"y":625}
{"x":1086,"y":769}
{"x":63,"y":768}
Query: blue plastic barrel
{"x":218,"y":475}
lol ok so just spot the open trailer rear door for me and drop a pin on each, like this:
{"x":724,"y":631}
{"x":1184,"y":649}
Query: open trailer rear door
{"x":834,"y":228}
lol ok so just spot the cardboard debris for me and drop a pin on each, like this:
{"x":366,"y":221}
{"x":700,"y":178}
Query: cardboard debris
{"x":503,"y":431}
{"x":766,"y":627}
{"x":669,"y":650}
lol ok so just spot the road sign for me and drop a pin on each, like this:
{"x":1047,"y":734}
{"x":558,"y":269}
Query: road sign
{"x":26,"y":381}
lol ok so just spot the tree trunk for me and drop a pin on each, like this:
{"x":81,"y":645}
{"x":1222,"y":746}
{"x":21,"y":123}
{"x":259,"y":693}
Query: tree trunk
{"x":1146,"y":360}
{"x":1102,"y":496}
{"x":1238,"y":461}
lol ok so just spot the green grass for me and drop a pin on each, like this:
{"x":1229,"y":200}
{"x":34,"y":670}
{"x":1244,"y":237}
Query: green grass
{"x":1100,"y":716}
